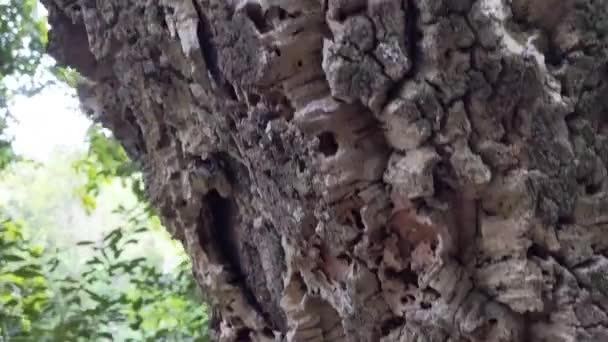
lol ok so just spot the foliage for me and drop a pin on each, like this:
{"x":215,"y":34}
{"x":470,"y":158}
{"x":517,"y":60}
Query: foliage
{"x":114,"y":293}
{"x":22,"y":40}
{"x":114,"y":296}
{"x":22,"y":37}
{"x":23,"y":287}
{"x":105,"y":162}
{"x":119,"y":296}
{"x":6,"y":152}
{"x":67,"y":75}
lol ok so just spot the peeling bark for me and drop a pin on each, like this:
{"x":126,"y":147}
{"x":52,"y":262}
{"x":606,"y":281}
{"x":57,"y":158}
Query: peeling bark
{"x":368,"y":170}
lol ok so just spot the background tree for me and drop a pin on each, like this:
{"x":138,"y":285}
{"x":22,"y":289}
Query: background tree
{"x":378,"y":170}
{"x":22,"y":40}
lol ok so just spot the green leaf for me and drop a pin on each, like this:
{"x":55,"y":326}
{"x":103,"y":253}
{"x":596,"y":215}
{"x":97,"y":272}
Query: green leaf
{"x":70,"y":280}
{"x":112,"y":233}
{"x":141,"y":230}
{"x":105,"y":335}
{"x":54,"y":264}
{"x":75,"y":301}
{"x":162,"y":332}
{"x":85,"y":243}
{"x":138,"y":303}
{"x":27,"y":272}
{"x":11,"y":279}
{"x":134,"y":263}
{"x":131,"y":241}
{"x":88,"y":202}
{"x":94,"y":261}
{"x":12,"y":258}
{"x":96,"y":297}
{"x":104,"y":254}
{"x":138,"y":321}
{"x":116,"y":238}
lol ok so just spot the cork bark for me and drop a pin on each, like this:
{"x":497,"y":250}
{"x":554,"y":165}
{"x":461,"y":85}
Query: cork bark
{"x":366,"y":170}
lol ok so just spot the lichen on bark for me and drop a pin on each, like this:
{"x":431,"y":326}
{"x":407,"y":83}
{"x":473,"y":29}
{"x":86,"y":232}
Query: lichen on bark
{"x":369,"y":170}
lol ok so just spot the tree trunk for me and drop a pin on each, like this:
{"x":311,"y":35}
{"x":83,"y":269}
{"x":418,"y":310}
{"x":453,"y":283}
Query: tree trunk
{"x":380,"y":170}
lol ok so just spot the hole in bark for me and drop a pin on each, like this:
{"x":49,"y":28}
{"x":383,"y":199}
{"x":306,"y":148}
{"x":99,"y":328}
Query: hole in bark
{"x":537,"y":251}
{"x":408,"y":298}
{"x":230,"y":90}
{"x":301,"y":165}
{"x":434,"y":244}
{"x":256,"y":15}
{"x":232,"y":125}
{"x":254,"y":99}
{"x":425,"y":305}
{"x":161,"y":15}
{"x":592,"y":189}
{"x":133,"y":39}
{"x":223,"y":231}
{"x":340,"y":16}
{"x":391,"y":273}
{"x":492,"y":321}
{"x":268,"y":332}
{"x":565,"y":220}
{"x":432,"y":292}
{"x":222,"y":228}
{"x":553,"y":55}
{"x":282,"y":14}
{"x":414,"y":35}
{"x":164,"y":140}
{"x":391,"y":324}
{"x":327,"y":144}
{"x":358,"y":220}
{"x":243,"y":335}
{"x":344,"y":257}
{"x":406,"y":276}
{"x":300,"y":63}
{"x":378,"y":260}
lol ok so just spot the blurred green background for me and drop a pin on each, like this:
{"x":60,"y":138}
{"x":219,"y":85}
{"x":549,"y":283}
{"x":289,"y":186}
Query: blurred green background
{"x":83,"y":257}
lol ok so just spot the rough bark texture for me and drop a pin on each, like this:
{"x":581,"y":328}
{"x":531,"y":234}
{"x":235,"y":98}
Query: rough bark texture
{"x":367,"y":170}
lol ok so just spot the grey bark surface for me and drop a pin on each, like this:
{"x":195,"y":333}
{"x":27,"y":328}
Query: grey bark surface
{"x":367,"y":170}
